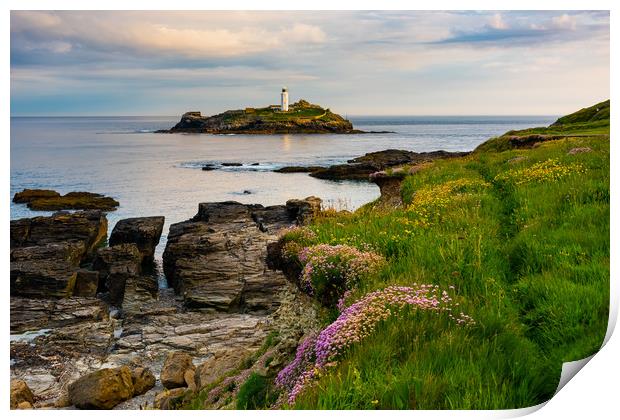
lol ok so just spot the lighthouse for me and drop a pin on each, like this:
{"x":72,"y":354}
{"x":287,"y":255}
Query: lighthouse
{"x":284,"y":100}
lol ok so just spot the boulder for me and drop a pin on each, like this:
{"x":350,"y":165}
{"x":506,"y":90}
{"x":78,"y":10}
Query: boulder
{"x":217,"y":260}
{"x":117,"y":264}
{"x":142,"y":231}
{"x":88,"y":227}
{"x":175,"y":367}
{"x":20,"y":394}
{"x":102,"y":389}
{"x":142,"y":379}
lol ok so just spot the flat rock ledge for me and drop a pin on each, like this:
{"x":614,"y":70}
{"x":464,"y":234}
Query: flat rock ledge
{"x":49,"y":200}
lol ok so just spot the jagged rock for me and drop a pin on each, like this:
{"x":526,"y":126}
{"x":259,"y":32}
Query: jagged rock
{"x":20,"y":394}
{"x":86,"y":283}
{"x":142,"y":231}
{"x":142,"y":379}
{"x":48,"y":270}
{"x":89,"y":227}
{"x":102,"y":389}
{"x":29,"y":195}
{"x":217,"y":260}
{"x":117,"y":264}
{"x":175,"y":366}
{"x":140,"y":295}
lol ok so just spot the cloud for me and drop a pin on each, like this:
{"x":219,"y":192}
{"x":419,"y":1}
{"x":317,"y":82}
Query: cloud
{"x":145,"y":34}
{"x":535,"y":27}
{"x":356,"y":61}
{"x":564,"y":22}
{"x":497,"y":22}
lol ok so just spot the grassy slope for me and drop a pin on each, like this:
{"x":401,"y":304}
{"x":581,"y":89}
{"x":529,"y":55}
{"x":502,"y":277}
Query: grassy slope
{"x":531,"y":262}
{"x":591,"y":121}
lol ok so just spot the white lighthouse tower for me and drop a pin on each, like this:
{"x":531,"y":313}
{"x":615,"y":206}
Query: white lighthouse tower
{"x":284,"y":99}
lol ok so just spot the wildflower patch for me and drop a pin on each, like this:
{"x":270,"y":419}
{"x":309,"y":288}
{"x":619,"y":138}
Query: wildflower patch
{"x":330,"y":270}
{"x":428,"y":202}
{"x":545,"y":171}
{"x":358,"y":321}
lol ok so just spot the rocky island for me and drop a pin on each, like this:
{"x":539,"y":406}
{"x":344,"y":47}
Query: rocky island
{"x":300,"y":117}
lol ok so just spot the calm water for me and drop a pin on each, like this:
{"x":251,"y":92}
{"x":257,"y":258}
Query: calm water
{"x":160,"y":174}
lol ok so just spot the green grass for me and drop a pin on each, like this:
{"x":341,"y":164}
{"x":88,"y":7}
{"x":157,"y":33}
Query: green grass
{"x":598,"y":112}
{"x":256,"y":393}
{"x":530,"y":262}
{"x":587,"y":122}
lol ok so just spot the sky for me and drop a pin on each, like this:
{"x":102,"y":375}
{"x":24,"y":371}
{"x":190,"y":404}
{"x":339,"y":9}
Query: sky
{"x":354,"y":62}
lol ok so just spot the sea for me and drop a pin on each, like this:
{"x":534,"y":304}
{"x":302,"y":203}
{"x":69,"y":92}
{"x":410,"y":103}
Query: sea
{"x":155,"y":174}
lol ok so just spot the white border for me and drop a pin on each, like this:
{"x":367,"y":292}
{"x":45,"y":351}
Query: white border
{"x":592,"y":394}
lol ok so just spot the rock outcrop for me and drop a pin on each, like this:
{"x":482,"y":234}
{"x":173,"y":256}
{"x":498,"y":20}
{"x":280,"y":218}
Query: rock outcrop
{"x":58,"y":340}
{"x":302,"y":117}
{"x":48,"y":270}
{"x":389,"y":183}
{"x":49,"y":200}
{"x":217,"y":260}
{"x":28,"y":195}
{"x":89,"y":227}
{"x":360,"y":168}
{"x":46,"y":253}
{"x":144,"y":232}
{"x":117,"y":265}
